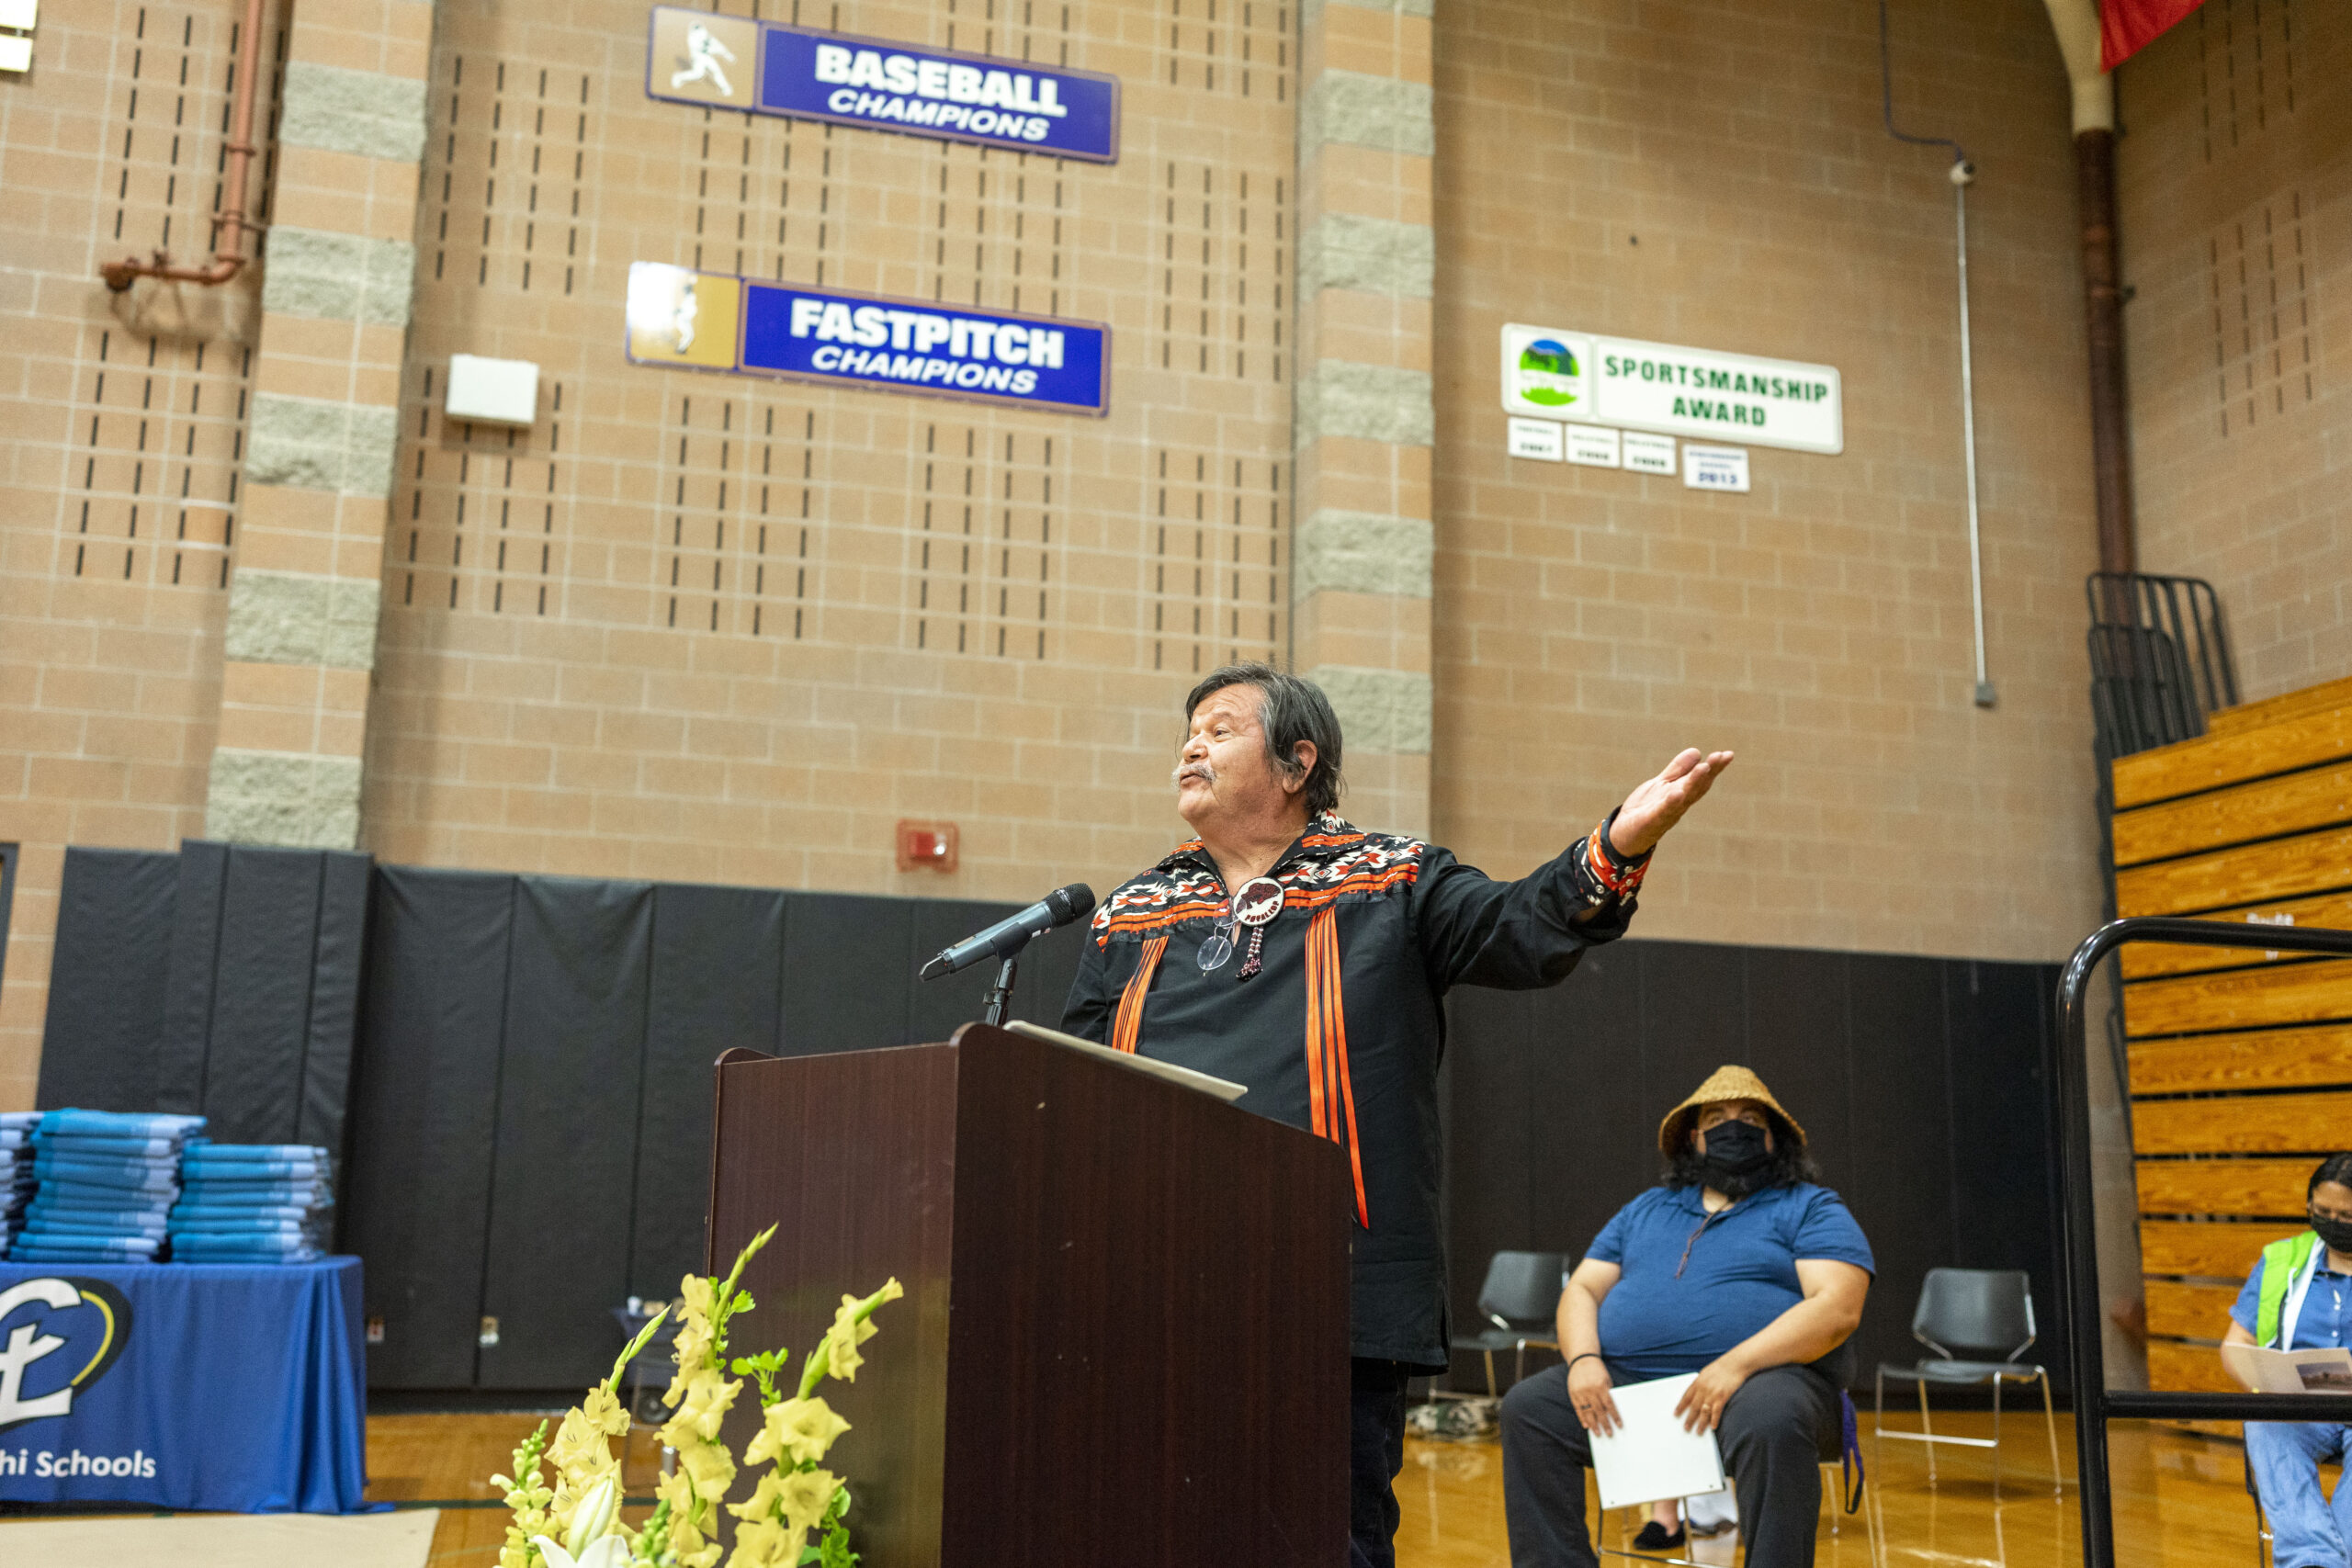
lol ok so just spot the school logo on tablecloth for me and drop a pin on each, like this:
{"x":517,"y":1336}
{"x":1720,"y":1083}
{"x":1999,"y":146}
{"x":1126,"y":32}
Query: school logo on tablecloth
{"x":58,"y":1336}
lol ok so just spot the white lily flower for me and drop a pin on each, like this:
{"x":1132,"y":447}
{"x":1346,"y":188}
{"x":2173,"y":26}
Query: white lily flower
{"x":606,"y":1551}
{"x":593,"y":1516}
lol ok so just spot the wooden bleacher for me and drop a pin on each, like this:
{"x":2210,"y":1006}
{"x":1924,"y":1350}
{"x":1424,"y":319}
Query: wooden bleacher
{"x":2241,"y":1064}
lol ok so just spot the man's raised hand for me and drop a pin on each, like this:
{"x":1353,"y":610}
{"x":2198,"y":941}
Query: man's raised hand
{"x":1658,"y":804}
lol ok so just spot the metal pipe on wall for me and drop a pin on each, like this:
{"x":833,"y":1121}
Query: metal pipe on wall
{"x":2076,"y":24}
{"x":1962,"y":172}
{"x":229,"y":225}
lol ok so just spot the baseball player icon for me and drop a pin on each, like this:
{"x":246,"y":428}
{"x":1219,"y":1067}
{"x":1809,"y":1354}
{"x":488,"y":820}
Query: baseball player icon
{"x":704,"y":53}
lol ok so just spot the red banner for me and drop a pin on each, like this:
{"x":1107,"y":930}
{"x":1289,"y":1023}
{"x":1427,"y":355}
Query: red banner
{"x":2127,"y":27}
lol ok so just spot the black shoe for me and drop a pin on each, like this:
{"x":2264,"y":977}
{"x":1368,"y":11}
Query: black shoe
{"x":1654,"y":1538}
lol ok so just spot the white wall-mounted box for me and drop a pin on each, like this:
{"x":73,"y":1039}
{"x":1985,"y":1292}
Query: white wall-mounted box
{"x":492,"y":392}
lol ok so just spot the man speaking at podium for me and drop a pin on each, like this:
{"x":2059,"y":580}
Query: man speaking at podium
{"x":1289,"y":950}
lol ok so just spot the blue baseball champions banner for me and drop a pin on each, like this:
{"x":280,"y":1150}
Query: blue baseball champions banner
{"x":696,"y":57}
{"x":714,"y":321}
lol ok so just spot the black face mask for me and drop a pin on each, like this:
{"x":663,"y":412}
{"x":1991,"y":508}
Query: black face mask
{"x":2337,"y":1234}
{"x":1735,"y":1157}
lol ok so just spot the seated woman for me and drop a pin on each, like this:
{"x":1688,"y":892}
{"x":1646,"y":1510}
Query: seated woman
{"x":1741,"y":1268}
{"x":2298,"y":1298}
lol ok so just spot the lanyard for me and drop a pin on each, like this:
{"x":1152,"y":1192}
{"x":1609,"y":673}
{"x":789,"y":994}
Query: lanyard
{"x":2295,"y":1294}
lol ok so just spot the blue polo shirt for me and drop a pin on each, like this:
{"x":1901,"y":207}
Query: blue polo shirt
{"x":1740,"y":1272}
{"x":2325,"y":1320}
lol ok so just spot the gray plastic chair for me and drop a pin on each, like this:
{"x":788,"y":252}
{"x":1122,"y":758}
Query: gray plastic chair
{"x":1521,"y":1299}
{"x":1972,"y":1309}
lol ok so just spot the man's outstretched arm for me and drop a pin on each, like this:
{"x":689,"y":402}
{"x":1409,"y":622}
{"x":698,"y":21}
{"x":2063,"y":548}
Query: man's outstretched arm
{"x":1474,"y":930}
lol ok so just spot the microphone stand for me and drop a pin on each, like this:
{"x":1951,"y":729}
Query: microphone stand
{"x":1001,"y":994}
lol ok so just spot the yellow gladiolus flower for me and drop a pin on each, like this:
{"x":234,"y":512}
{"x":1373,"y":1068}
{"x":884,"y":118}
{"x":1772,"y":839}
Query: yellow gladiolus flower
{"x":761,"y":1501}
{"x":601,"y":1410}
{"x":710,"y":1465}
{"x":765,"y":1544}
{"x":850,"y":1330}
{"x":703,"y":1408}
{"x":795,"y":1430}
{"x":805,"y":1498}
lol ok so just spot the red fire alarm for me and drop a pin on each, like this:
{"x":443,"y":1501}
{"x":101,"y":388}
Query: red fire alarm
{"x":926,"y":846}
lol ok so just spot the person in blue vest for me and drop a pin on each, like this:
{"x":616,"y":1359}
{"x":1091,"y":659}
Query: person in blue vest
{"x":2299,"y":1298}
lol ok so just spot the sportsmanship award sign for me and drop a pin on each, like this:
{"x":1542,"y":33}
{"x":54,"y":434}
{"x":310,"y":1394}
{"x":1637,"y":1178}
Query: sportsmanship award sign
{"x":717,"y":62}
{"x":1691,"y":392}
{"x":715,"y":322}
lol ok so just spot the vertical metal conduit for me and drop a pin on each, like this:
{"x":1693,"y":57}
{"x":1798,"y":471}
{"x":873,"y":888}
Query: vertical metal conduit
{"x":1961,"y":174}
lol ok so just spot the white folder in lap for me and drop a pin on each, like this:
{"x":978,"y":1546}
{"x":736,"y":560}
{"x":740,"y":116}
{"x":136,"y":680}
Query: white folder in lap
{"x":1650,"y":1457}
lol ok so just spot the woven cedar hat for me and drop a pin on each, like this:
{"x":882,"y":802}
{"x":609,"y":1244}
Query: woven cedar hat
{"x":1725,"y":1083}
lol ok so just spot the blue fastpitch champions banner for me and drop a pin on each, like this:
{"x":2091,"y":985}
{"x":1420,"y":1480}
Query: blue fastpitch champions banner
{"x":716,"y":322}
{"x":697,"y":57}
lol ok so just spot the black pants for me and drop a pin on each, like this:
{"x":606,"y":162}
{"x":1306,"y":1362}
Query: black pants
{"x":1375,"y":1453}
{"x":1775,"y":1433}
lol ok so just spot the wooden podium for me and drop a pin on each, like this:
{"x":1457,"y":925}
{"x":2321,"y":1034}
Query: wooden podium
{"x":1124,"y":1337}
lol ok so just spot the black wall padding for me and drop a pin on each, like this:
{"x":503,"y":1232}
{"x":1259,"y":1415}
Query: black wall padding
{"x":337,"y":964}
{"x":424,"y":1109}
{"x":259,"y":1027}
{"x":717,"y":982}
{"x":1921,"y":1082}
{"x":262,"y":1002}
{"x":195,"y":968}
{"x":106,"y":980}
{"x":846,"y":974}
{"x":564,"y":1179}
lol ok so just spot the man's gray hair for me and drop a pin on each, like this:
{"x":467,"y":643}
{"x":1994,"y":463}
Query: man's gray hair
{"x":1290,"y":710}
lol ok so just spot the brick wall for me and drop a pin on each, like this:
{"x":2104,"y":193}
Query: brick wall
{"x":1718,"y":177}
{"x":122,"y":423}
{"x":708,"y":627}
{"x":2235,"y":187}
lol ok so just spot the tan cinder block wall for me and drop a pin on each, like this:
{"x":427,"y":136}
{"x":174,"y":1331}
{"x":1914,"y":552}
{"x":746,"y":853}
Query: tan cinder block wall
{"x":121,"y":432}
{"x":2235,"y":194}
{"x":704,"y":627}
{"x":1718,"y":177}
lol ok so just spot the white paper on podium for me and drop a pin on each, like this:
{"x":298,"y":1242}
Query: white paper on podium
{"x":1650,"y":1456}
{"x":1221,"y":1089}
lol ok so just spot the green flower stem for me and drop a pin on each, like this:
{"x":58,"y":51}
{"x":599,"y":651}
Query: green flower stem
{"x":644,"y":1337}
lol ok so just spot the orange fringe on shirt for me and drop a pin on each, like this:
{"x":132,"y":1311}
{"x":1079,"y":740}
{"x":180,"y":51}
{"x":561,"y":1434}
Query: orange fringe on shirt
{"x":1330,"y":1095}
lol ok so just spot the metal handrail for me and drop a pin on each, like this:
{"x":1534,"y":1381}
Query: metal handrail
{"x":2094,"y":1405}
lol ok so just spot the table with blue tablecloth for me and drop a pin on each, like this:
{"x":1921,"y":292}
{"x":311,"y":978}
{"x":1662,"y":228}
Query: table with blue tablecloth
{"x":184,"y":1386}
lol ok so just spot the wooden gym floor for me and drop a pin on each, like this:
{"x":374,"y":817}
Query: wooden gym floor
{"x":2179,"y":1499}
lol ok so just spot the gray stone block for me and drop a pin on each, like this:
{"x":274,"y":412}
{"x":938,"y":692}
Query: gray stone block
{"x":1379,"y":112}
{"x":312,"y":444}
{"x":1380,"y":710}
{"x":1371,"y":255}
{"x":288,"y":798}
{"x":1369,"y":403}
{"x":362,"y":112}
{"x":341,"y":278}
{"x":285,"y":617}
{"x":1360,"y":552}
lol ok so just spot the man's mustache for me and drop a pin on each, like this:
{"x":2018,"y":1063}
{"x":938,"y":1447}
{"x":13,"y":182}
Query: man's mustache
{"x":1201,"y":770}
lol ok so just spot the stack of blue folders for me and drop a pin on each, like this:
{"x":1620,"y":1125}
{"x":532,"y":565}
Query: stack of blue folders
{"x":107,"y":1181}
{"x":16,"y":1170}
{"x":253,"y":1203}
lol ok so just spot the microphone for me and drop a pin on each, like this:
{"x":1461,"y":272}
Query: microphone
{"x":1009,"y":935}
